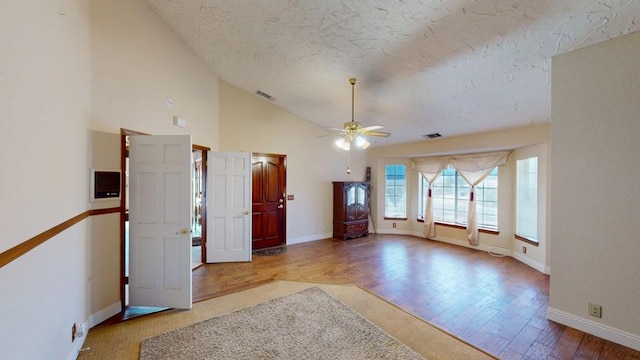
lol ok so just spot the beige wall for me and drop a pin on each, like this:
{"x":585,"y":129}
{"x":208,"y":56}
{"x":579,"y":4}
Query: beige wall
{"x":79,"y":71}
{"x":595,"y":207}
{"x":137,"y":63}
{"x":45,"y":90}
{"x":525,"y":141}
{"x":252,"y":124}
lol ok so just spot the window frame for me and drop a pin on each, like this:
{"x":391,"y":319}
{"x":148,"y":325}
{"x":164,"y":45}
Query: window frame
{"x":457,"y":189}
{"x":518,"y":235}
{"x":402,"y":196}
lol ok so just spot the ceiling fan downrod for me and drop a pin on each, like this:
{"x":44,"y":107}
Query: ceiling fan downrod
{"x":353,"y":82}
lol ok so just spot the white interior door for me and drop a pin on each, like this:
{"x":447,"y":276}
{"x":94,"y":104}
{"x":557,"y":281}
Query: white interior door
{"x":229,"y":207}
{"x":159,"y":221}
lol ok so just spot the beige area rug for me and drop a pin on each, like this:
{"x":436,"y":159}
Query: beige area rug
{"x":306,"y":325}
{"x":123,"y":341}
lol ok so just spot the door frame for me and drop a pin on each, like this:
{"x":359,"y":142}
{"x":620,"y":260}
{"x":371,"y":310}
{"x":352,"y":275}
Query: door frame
{"x":124,"y":280}
{"x":203,"y":226}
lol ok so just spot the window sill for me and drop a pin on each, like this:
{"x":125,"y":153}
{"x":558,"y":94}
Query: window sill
{"x":395,"y":218}
{"x":456,"y":226}
{"x":526,"y":239}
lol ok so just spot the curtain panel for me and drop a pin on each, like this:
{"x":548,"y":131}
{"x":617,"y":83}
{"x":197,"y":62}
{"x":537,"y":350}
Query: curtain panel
{"x":473,"y":168}
{"x":430,"y":168}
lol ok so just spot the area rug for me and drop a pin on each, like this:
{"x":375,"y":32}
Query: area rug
{"x":276,"y":250}
{"x":306,"y":325}
{"x":122,"y":341}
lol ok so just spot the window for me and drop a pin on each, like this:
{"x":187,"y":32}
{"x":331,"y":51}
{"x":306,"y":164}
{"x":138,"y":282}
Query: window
{"x":395,"y":191}
{"x":527,"y":198}
{"x":450,"y":197}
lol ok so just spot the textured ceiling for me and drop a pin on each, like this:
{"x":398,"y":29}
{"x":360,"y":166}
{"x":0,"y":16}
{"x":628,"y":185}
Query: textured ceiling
{"x":423,"y":66}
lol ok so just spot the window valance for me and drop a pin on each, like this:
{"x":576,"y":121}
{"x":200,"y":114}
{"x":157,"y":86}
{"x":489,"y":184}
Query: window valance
{"x":473,"y":168}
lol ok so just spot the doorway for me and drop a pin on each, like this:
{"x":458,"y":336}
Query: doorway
{"x":199,"y":215}
{"x":198,"y":179}
{"x":269,"y":174}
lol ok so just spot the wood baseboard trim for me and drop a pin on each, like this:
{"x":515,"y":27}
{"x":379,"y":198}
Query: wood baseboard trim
{"x":17,"y":251}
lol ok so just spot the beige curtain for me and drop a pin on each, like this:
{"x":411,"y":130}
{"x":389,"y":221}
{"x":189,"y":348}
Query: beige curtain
{"x":474,"y":168}
{"x":430,"y":168}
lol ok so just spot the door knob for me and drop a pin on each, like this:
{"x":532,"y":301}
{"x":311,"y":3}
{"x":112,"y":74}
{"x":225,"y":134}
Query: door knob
{"x":280,"y":206}
{"x":246,"y":212}
{"x":183,"y":231}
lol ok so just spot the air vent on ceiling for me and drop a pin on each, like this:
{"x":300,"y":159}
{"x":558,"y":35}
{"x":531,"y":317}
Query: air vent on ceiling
{"x":432,"y":136}
{"x":265,"y":95}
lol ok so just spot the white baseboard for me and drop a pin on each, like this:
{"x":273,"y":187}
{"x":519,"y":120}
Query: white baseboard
{"x":532,"y":263}
{"x":93,"y":320}
{"x":594,"y":328}
{"x":104,"y":314}
{"x":304,"y":239}
{"x":482,"y":247}
{"x":76,"y":346}
{"x":395,"y":232}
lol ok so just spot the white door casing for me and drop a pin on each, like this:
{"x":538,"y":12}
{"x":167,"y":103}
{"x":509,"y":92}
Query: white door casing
{"x":159,"y":220}
{"x":229,"y":207}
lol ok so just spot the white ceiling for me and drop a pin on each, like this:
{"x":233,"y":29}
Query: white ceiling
{"x":423,"y":66}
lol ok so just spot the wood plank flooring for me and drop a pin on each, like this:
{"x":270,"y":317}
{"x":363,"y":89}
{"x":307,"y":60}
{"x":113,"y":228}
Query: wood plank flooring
{"x":497,"y":304}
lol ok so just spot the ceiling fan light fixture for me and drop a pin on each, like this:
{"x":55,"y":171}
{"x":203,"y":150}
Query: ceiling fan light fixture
{"x":361,"y":142}
{"x":353,"y":131}
{"x":343,"y":144}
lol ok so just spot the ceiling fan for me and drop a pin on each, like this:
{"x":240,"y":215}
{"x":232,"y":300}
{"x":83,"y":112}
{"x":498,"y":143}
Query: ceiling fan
{"x":353,"y":131}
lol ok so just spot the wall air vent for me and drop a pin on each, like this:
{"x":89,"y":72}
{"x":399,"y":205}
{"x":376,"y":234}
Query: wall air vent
{"x":265,"y":95}
{"x":432,"y":136}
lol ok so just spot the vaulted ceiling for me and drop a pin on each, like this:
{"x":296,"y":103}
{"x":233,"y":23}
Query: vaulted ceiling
{"x":452,"y":67}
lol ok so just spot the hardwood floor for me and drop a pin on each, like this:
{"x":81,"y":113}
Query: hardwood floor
{"x":497,"y":304}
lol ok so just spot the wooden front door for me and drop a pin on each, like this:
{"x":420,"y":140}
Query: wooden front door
{"x":268,"y":200}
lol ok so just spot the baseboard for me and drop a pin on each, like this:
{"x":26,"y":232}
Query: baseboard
{"x":465,"y":243}
{"x":93,"y":320}
{"x":76,"y":346}
{"x":483,"y":247}
{"x":594,"y":328}
{"x":104,"y":314}
{"x":530,"y":262}
{"x":304,"y":239}
{"x":394,"y":231}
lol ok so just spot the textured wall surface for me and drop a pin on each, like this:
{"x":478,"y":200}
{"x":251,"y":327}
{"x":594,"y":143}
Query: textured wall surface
{"x":594,"y":204}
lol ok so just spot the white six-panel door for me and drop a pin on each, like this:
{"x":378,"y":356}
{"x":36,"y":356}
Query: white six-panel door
{"x":229,"y":207}
{"x":159,"y":220}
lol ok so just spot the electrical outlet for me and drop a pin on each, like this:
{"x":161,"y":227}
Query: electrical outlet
{"x":524,"y":249}
{"x":595,"y":310}
{"x":80,"y":330}
{"x":74,"y":328}
{"x":394,"y":224}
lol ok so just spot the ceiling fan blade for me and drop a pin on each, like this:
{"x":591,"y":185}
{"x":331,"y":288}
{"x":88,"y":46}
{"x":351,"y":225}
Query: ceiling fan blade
{"x":370,"y":128}
{"x":325,"y":135}
{"x":377,"y":133}
{"x":335,"y":129}
{"x":334,"y":132}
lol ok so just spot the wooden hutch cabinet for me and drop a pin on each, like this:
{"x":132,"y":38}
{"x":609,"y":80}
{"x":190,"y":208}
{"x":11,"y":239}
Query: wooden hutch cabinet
{"x":350,"y":209}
